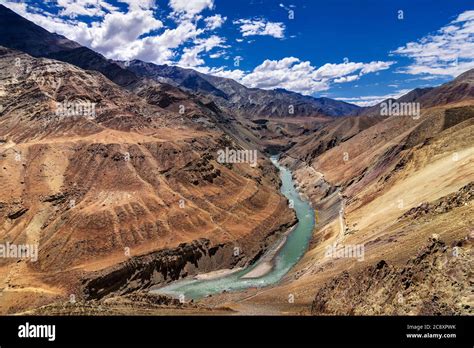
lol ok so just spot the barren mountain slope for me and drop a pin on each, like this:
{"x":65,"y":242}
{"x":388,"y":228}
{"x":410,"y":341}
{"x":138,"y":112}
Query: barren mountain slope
{"x":435,"y":281}
{"x":328,"y":135}
{"x":272,"y":120}
{"x":243,"y":101}
{"x":388,"y":188}
{"x":457,"y":90}
{"x":425,"y":188}
{"x":236,"y":109}
{"x":131,"y":179}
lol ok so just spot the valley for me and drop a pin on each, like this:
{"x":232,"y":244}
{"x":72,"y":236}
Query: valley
{"x":155,"y":189}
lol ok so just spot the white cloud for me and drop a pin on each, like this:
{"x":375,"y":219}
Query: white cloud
{"x":190,"y":7}
{"x":161,"y":49}
{"x":191,"y":55}
{"x":251,"y":27}
{"x":139,"y":4}
{"x":330,"y":70}
{"x":449,"y":51}
{"x":222,"y":72}
{"x":118,"y":30}
{"x":292,"y":74}
{"x":217,"y":54}
{"x":371,"y":100}
{"x":214,"y":22}
{"x":348,"y":78}
{"x":119,"y":35}
{"x":91,"y":8}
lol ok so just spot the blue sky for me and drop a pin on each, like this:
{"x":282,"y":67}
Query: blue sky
{"x":359,"y":51}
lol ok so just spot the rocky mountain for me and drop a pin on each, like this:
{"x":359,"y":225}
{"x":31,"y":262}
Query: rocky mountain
{"x":266,"y":120}
{"x":402,"y":289}
{"x":330,"y":134}
{"x":111,"y":169}
{"x":19,"y":33}
{"x":387,"y":184}
{"x":97,"y":176}
{"x":270,"y":120}
{"x":240,"y":100}
{"x":459,"y":89}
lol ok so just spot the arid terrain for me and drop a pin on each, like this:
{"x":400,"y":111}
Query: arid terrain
{"x":129,"y":194}
{"x":96,"y":192}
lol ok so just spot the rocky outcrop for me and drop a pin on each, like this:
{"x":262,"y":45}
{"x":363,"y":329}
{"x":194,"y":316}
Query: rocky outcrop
{"x":434,"y":282}
{"x":444,"y":204}
{"x":137,"y":303}
{"x":158,"y":267}
{"x":17,"y":214}
{"x":164,"y":266}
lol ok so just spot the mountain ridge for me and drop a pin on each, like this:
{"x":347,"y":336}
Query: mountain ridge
{"x":54,"y":46}
{"x":459,"y":89}
{"x":231,"y":94}
{"x":19,"y":33}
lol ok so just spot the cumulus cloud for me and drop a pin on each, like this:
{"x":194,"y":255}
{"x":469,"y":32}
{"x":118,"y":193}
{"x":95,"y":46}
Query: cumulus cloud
{"x":190,"y":7}
{"x":299,"y":76}
{"x":252,"y":27}
{"x":117,"y":35}
{"x":91,"y":8}
{"x":330,"y":70}
{"x":236,"y":74}
{"x":349,"y":78}
{"x":449,"y":51}
{"x":214,"y":22}
{"x":160,"y":49}
{"x":292,"y":74}
{"x":138,"y":4}
{"x":217,"y":54}
{"x":191,"y":55}
{"x":118,"y":29}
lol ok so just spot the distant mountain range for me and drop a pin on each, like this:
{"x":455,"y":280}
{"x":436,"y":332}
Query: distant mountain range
{"x":340,"y":130}
{"x":18,"y":33}
{"x":232,"y":95}
{"x":461,"y":88}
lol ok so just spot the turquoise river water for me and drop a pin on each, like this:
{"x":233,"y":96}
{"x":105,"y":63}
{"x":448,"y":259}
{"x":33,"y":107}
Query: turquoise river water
{"x":286,"y":257}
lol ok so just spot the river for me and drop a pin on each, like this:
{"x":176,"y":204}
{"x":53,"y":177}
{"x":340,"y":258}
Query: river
{"x":285,"y":258}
